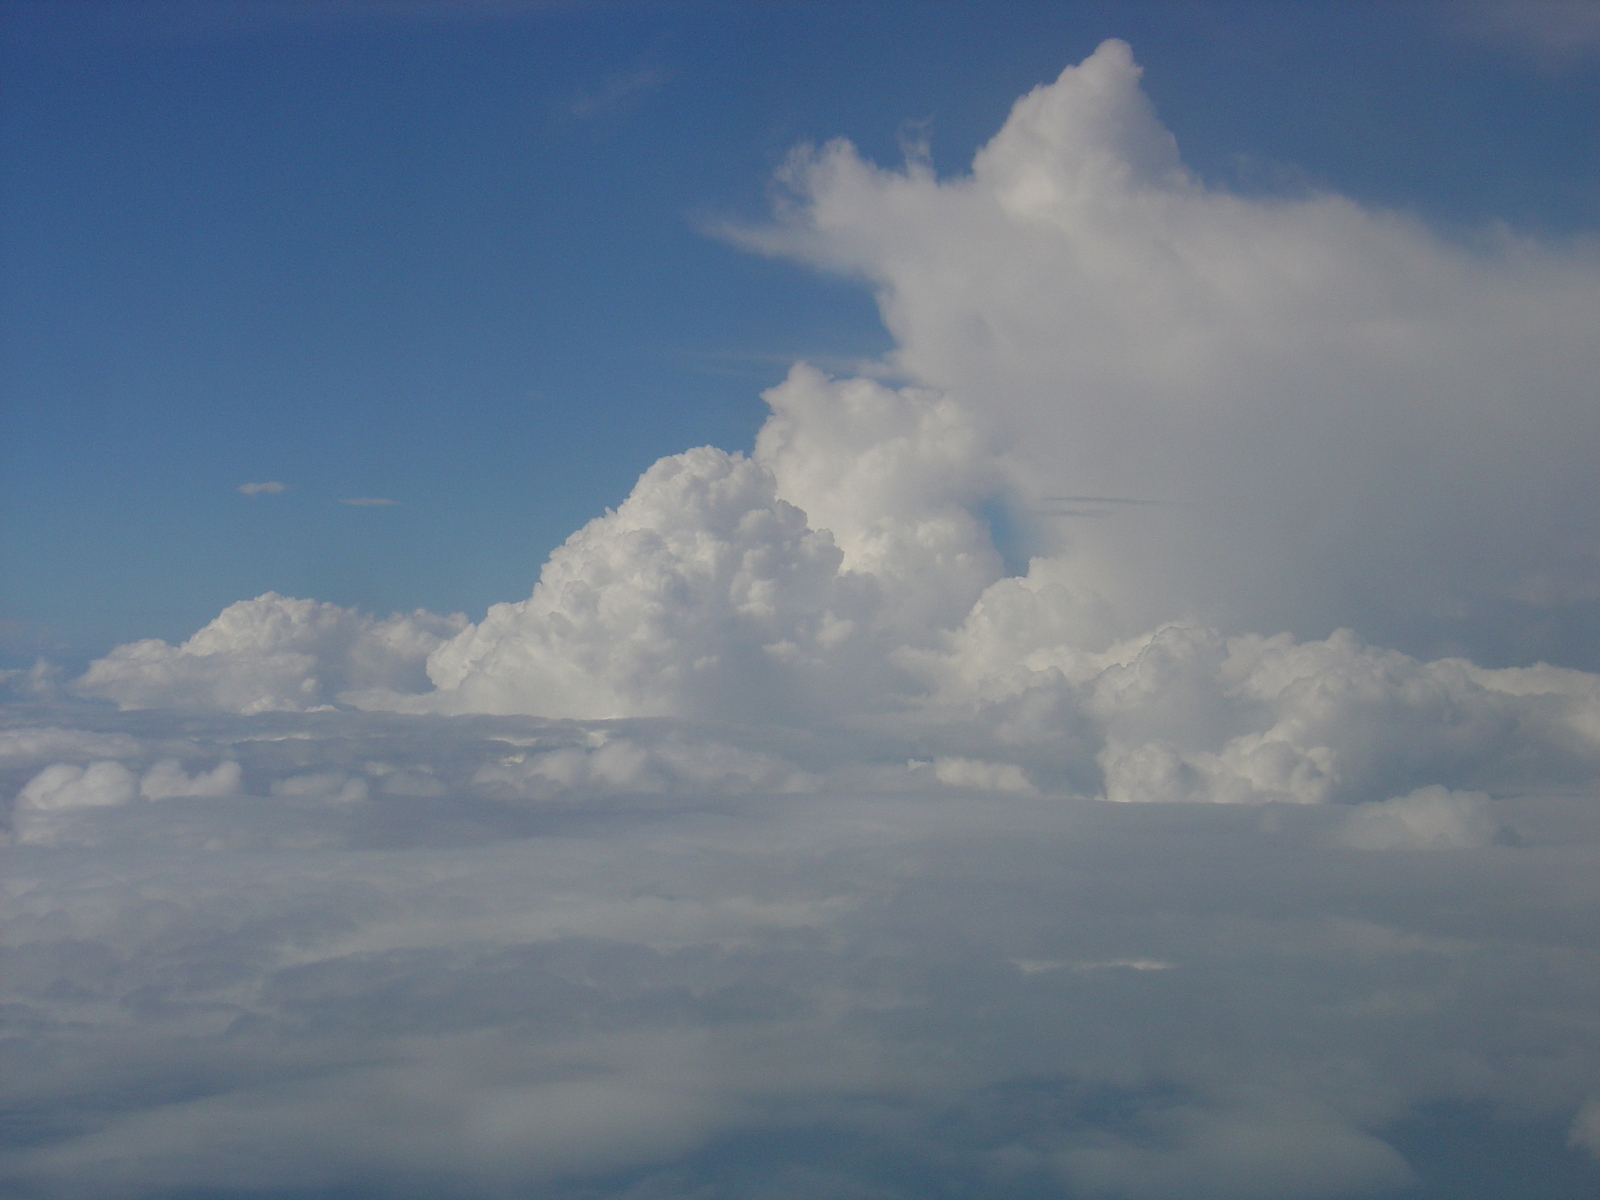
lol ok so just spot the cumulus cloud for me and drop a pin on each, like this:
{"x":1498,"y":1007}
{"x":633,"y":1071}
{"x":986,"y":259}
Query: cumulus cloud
{"x":1311,"y":388}
{"x":167,"y":779}
{"x":268,"y":654}
{"x":776,"y":583}
{"x":64,"y":786}
{"x":1430,"y":818}
{"x":45,"y":808}
{"x":1356,"y":422}
{"x":270,"y":488}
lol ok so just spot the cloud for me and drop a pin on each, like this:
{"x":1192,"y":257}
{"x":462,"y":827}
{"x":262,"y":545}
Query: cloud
{"x":617,"y":92}
{"x":228,"y":20}
{"x":1585,"y":1133}
{"x":167,"y":779}
{"x":45,"y":743}
{"x":1325,"y":391}
{"x":1093,"y":331}
{"x":1555,"y":32}
{"x":623,"y":958}
{"x":1429,"y":818}
{"x":787,"y":841}
{"x":706,"y":592}
{"x":45,"y":808}
{"x":63,"y":787}
{"x":369,"y":501}
{"x":270,"y":654}
{"x":270,"y":488}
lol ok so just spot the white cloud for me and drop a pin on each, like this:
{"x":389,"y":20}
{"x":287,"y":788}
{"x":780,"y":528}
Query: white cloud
{"x":270,"y":654}
{"x":1585,"y":1132}
{"x":649,"y":970}
{"x":270,"y":488}
{"x":1355,"y":421}
{"x":984,"y":776}
{"x":48,"y":804}
{"x":1557,"y":32}
{"x":369,"y":501}
{"x":167,"y":779}
{"x":621,"y":765}
{"x":1090,"y":321}
{"x":1430,"y":818}
{"x":65,"y":786}
{"x":49,"y":742}
{"x":617,"y":93}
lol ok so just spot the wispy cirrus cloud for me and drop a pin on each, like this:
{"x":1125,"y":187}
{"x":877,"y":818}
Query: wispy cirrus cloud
{"x":368,"y":501}
{"x":270,"y":487}
{"x":616,"y":92}
{"x":227,"y":20}
{"x":1556,"y":33}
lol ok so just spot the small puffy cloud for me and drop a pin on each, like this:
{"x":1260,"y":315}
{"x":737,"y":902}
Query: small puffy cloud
{"x":1585,"y":1132}
{"x":369,"y":501}
{"x":66,"y":786}
{"x":270,"y":488}
{"x":618,"y":92}
{"x":42,"y":681}
{"x":48,"y":806}
{"x":1556,"y":32}
{"x":983,"y":776}
{"x":1430,"y":818}
{"x":167,"y":779}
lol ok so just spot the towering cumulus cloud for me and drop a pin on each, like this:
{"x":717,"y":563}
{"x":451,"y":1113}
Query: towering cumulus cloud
{"x":1261,"y":414}
{"x":771,"y":847}
{"x":1347,"y":420}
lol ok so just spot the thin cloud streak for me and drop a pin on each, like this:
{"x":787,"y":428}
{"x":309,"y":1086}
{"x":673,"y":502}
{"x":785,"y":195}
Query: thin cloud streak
{"x":616,"y":93}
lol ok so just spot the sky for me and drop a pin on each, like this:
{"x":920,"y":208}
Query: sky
{"x":465,"y":256}
{"x":858,"y":602}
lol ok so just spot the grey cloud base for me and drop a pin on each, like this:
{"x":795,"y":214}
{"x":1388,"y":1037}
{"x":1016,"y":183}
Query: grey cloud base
{"x":782,"y":844}
{"x":386,"y":957}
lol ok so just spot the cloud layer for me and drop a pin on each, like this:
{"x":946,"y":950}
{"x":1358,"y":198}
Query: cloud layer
{"x":331,"y":952}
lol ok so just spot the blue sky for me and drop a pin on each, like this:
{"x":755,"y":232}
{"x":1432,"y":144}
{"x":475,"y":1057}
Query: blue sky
{"x":458,"y":256}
